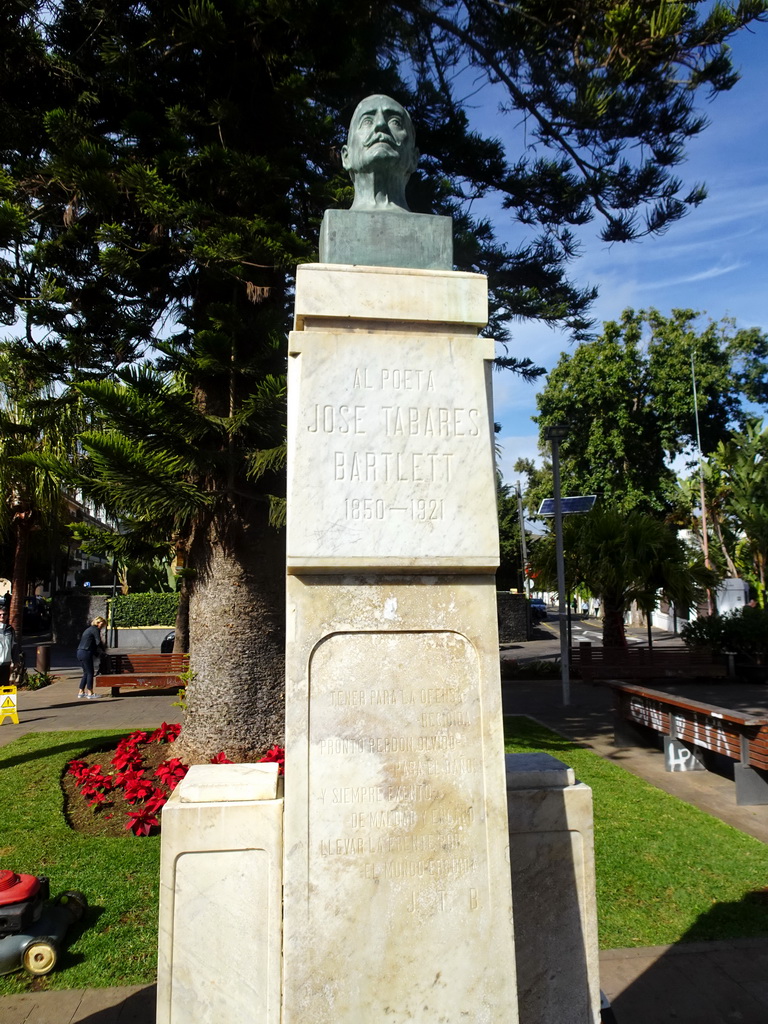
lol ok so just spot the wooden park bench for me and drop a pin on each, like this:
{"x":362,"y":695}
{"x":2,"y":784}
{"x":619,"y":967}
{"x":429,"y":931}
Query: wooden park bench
{"x":140,"y":671}
{"x":689,"y":728}
{"x":600,"y":663}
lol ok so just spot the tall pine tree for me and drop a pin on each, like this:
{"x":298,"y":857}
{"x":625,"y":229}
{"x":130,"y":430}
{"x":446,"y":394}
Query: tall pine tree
{"x":165,"y":166}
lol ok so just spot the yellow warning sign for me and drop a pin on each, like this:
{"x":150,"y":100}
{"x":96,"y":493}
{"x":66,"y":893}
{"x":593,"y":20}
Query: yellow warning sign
{"x":8,"y":704}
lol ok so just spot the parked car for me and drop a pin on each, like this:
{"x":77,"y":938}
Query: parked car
{"x":538,"y":609}
{"x":36,"y":613}
{"x":166,"y":645}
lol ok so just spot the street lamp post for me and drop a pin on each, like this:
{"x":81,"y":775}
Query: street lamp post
{"x":555,"y":435}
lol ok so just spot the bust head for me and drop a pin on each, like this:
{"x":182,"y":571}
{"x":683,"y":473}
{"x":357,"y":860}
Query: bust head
{"x":380,"y":153}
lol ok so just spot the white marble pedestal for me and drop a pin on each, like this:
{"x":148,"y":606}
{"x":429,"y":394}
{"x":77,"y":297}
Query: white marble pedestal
{"x":219,"y":949}
{"x":397,"y":893}
{"x":551,"y":843}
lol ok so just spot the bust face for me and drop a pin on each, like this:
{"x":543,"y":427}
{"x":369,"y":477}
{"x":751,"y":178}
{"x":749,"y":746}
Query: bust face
{"x":380,"y":135}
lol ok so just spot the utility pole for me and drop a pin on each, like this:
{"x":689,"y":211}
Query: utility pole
{"x":523,"y":545}
{"x":704,"y":531}
{"x":555,"y":435}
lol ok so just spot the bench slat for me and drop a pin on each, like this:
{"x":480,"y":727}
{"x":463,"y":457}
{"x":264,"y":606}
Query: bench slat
{"x":643,"y":663}
{"x":672,"y":700}
{"x":697,"y":724}
{"x":142,"y":670}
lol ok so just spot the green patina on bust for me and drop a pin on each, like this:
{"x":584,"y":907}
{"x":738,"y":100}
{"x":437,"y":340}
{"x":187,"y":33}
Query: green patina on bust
{"x":380,"y":154}
{"x":379,"y":229}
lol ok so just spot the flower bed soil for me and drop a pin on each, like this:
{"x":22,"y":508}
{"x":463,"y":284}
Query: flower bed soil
{"x":120,"y":790}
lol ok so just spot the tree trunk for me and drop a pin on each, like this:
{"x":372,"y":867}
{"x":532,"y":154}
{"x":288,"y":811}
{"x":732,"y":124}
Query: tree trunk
{"x":236,"y":698}
{"x":181,"y":640}
{"x":613,"y":624}
{"x":23,"y":522}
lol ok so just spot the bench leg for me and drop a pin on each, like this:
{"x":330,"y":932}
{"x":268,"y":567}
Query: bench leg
{"x":751,"y":785}
{"x":114,"y":691}
{"x":632,"y":734}
{"x":682,"y":757}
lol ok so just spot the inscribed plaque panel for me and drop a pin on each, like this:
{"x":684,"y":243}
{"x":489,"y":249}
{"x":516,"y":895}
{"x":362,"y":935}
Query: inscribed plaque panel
{"x":404,"y":915}
{"x":397,"y":437}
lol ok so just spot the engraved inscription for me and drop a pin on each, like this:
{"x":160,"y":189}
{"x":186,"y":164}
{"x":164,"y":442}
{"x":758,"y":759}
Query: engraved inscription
{"x":393,"y":467}
{"x":342,"y":419}
{"x":415,"y":808}
{"x":395,"y":446}
{"x":397,"y":379}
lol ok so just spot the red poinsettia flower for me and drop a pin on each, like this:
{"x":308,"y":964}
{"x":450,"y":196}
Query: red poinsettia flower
{"x":156,"y":802}
{"x":126,"y":758}
{"x":165,"y":733}
{"x":135,"y":738}
{"x":137,"y":789}
{"x":171,"y":772}
{"x":220,"y":758}
{"x":276,"y":754}
{"x":141,"y":822}
{"x":128,"y":776}
{"x":91,"y":780}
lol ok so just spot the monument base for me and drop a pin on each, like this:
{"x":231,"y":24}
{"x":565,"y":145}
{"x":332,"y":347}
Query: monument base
{"x":219,"y":945}
{"x":552,"y":855}
{"x":397,"y":891}
{"x":384,"y":238}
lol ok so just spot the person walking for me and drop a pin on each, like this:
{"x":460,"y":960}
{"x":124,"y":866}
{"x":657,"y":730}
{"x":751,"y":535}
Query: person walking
{"x":7,"y":639}
{"x":90,"y":645}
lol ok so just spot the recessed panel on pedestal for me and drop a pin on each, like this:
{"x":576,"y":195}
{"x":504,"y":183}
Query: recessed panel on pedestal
{"x":403,"y":888}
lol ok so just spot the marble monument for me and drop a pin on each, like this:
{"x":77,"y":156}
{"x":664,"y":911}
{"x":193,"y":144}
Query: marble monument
{"x":379,"y":887}
{"x":397,"y":901}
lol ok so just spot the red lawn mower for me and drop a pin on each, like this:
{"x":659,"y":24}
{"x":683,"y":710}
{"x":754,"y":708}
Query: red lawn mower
{"x":31,"y":927}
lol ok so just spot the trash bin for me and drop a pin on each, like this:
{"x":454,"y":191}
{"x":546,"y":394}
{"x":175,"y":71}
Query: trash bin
{"x":43,"y":661}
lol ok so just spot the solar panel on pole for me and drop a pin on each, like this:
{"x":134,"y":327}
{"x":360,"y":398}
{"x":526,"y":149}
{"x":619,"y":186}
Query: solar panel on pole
{"x":569,"y":506}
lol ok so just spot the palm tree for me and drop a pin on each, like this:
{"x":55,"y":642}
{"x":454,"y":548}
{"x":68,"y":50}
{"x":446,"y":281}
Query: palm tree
{"x":193,"y":458}
{"x":35,"y":422}
{"x":625,"y":558}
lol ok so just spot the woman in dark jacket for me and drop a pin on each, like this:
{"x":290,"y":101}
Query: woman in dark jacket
{"x":90,"y":645}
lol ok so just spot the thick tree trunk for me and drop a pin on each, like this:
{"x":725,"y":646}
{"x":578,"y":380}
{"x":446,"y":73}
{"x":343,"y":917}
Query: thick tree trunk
{"x":181,"y":640}
{"x":613,"y":625}
{"x":236,"y":699}
{"x":23,"y":523}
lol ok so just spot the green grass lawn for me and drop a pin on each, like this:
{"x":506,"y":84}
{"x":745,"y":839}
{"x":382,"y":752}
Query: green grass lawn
{"x":666,"y":871}
{"x":117,"y":942}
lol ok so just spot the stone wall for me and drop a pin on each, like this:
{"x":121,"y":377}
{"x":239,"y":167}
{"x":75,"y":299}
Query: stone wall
{"x":513,"y":616}
{"x":72,"y":613}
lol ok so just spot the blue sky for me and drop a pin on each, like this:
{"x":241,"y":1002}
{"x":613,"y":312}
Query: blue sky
{"x":714,"y":261}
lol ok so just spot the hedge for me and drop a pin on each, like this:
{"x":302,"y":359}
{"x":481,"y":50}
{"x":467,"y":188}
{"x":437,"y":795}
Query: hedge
{"x":144,"y":610}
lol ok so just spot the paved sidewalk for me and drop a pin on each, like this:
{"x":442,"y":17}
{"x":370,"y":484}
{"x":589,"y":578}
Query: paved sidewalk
{"x":57,"y":707}
{"x":696,"y":983}
{"x":130,"y":1005}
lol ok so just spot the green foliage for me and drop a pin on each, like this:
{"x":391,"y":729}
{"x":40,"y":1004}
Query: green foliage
{"x":667,"y":872}
{"x":735,"y":478}
{"x":144,"y":610}
{"x":509,"y":575}
{"x":142,"y":562}
{"x":624,"y":558}
{"x":37,"y":425}
{"x":627,"y":400}
{"x":744,"y":632}
{"x":37,"y":680}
